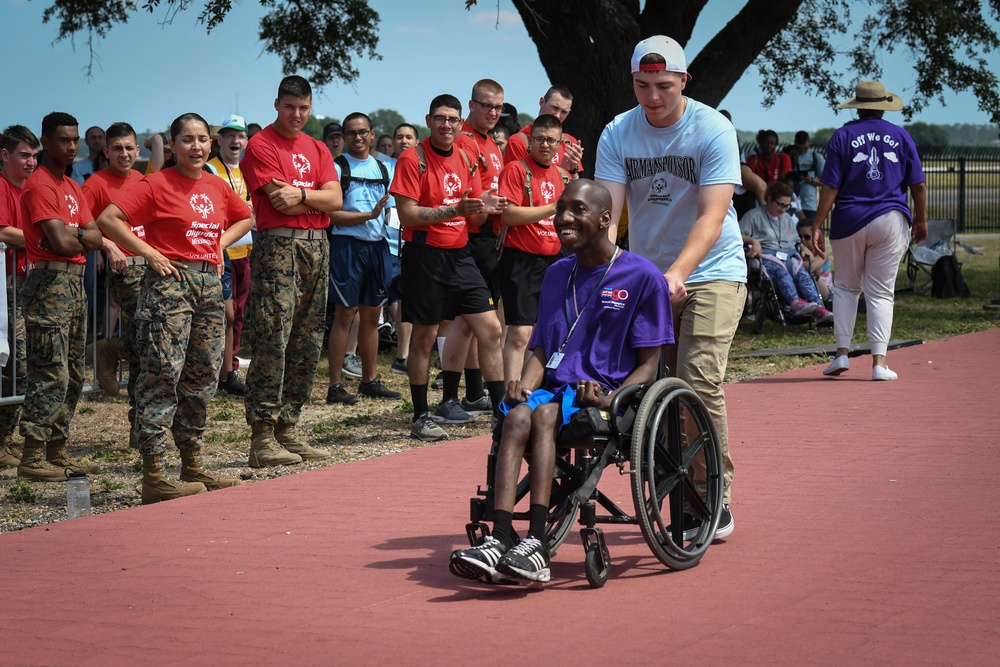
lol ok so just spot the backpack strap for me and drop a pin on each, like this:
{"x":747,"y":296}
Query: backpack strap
{"x":564,"y":175}
{"x":527,"y":183}
{"x":345,"y":172}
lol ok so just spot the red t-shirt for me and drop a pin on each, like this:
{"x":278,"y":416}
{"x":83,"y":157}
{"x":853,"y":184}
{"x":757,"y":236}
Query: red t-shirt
{"x":183,"y":217}
{"x":46,"y":197}
{"x":10,"y":216}
{"x":446,"y":178}
{"x":101,"y":189}
{"x":779,"y":165}
{"x":538,"y":238}
{"x":490,"y":163}
{"x":517,"y":147}
{"x":301,"y":162}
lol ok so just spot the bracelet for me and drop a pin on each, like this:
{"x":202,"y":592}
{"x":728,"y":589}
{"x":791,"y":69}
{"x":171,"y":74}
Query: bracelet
{"x":574,"y":171}
{"x":303,"y":195}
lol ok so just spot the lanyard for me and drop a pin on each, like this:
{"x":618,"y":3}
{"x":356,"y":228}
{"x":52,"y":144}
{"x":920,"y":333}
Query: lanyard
{"x":571,"y":283}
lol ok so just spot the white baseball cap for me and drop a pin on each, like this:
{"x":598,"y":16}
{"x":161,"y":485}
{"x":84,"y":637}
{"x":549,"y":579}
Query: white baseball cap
{"x":234,"y":123}
{"x":666,"y":48}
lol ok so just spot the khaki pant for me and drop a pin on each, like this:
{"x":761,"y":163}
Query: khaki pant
{"x":704,"y":326}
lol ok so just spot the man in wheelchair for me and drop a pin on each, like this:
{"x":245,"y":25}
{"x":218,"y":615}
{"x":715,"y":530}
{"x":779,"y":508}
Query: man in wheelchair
{"x":771,"y":236}
{"x":603,"y":316}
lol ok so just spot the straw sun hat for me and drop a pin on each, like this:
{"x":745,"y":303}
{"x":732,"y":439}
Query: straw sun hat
{"x":873,"y":95}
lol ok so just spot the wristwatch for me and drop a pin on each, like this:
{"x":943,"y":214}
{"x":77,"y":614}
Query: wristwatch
{"x":79,"y":234}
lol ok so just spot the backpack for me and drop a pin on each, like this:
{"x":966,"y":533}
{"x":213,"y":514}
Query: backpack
{"x":346,"y":178}
{"x":563,"y":174}
{"x":422,"y":160}
{"x":946,"y":279}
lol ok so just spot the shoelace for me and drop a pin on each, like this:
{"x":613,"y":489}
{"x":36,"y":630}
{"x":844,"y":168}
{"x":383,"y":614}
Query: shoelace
{"x":525,"y":547}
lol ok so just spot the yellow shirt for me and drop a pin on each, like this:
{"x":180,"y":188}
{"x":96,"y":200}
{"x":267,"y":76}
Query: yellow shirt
{"x":234,"y":177}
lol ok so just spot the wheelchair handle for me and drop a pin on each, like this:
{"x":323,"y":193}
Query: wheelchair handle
{"x":627,"y":393}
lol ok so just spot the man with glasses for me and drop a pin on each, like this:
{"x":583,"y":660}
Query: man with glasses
{"x":558,"y":101}
{"x":484,"y":112}
{"x":530,"y":242}
{"x":360,"y":266}
{"x":437,"y":195}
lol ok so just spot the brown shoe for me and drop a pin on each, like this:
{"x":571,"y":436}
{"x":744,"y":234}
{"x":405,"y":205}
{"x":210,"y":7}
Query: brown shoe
{"x":287,"y":437}
{"x":10,"y":455}
{"x":55,"y":453}
{"x":191,"y":471}
{"x":109,"y":352}
{"x":35,"y":468}
{"x":157,"y":488}
{"x":265,"y":450}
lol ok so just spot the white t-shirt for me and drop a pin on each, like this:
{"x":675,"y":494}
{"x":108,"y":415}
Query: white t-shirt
{"x":663,"y":169}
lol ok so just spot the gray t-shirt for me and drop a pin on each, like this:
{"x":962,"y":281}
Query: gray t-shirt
{"x":780,"y":234}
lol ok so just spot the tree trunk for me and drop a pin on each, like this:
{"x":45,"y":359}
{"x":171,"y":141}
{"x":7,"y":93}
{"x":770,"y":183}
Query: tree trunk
{"x":586,"y":45}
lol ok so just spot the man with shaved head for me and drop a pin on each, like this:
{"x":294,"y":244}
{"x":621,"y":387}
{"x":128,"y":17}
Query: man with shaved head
{"x":611,"y":291}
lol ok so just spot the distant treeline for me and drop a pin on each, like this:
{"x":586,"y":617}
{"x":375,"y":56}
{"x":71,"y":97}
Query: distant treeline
{"x":925,"y":135}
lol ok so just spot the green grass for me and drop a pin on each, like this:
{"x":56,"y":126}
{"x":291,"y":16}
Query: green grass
{"x":21,"y":492}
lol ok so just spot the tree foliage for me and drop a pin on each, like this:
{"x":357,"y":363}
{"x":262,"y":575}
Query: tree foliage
{"x":321,"y":38}
{"x":385,"y":121}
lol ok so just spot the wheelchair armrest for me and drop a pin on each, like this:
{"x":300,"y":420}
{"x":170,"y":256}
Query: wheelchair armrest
{"x":626,"y":394}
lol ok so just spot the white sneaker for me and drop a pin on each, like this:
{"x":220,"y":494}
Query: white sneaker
{"x":838,"y":365}
{"x":883,"y":373}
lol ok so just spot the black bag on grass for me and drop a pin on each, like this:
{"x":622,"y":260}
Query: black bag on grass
{"x":946,"y":279}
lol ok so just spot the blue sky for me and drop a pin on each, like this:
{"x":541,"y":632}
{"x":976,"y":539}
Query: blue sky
{"x":148,"y":74}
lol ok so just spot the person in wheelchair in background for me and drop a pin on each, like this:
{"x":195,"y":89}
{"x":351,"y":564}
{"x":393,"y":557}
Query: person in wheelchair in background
{"x":771,"y":236}
{"x":603,"y":317}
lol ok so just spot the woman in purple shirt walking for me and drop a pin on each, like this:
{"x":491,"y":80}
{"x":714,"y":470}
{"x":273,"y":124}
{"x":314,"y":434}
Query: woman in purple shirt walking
{"x":870,"y":163}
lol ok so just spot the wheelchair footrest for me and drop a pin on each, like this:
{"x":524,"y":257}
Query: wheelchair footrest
{"x":476,"y":532}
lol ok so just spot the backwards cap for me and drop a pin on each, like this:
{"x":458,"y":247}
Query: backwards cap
{"x":666,"y":48}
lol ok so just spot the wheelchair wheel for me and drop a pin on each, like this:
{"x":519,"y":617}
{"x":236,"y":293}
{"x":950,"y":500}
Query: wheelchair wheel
{"x":676,"y":468}
{"x":562,"y":515}
{"x":596,"y":567}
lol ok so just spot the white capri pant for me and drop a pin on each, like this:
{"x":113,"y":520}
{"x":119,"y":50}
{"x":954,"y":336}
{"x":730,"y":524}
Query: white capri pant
{"x":868,"y":261}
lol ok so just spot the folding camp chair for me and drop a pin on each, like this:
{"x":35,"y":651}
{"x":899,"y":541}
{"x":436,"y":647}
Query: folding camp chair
{"x":941,"y":240}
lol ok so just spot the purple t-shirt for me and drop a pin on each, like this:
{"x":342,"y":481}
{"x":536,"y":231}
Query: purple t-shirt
{"x":630,"y":310}
{"x":872,"y":162}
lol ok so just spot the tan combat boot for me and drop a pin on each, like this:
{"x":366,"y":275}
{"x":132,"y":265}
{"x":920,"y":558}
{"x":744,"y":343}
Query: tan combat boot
{"x":286,"y":436}
{"x":35,"y":468}
{"x":56,"y":455}
{"x":191,"y":471}
{"x":265,"y":450}
{"x":156,"y":487}
{"x":10,"y":454}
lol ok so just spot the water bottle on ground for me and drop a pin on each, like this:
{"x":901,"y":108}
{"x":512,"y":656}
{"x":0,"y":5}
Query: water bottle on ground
{"x":77,"y":495}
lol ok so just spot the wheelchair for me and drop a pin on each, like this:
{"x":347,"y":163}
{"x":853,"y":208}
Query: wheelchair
{"x":663,"y":437}
{"x":763,"y":301}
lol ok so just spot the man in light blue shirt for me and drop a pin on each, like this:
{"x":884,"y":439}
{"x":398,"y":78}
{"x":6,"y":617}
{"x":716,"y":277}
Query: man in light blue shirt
{"x":676,"y":163}
{"x":360,"y":264}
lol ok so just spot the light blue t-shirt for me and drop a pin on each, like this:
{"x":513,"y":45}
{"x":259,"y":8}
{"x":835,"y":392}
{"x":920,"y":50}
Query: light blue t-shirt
{"x":663,"y":169}
{"x":362,"y":197}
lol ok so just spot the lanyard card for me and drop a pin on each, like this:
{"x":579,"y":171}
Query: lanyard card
{"x":554,"y":361}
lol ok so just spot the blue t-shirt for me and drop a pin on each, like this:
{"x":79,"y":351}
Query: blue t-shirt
{"x":630,"y":309}
{"x":362,"y":197}
{"x":663,"y":168}
{"x":872,"y":163}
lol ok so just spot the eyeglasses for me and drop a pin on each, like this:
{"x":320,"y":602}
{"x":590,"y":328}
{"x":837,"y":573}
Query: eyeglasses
{"x":548,"y":141}
{"x":489,"y":107}
{"x":350,"y":134}
{"x":805,"y":237}
{"x":441,"y":120}
{"x":782,"y":206}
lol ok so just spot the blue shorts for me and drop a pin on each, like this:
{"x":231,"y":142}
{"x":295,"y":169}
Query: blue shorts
{"x":566,"y":395}
{"x":360,"y":272}
{"x":227,"y":279}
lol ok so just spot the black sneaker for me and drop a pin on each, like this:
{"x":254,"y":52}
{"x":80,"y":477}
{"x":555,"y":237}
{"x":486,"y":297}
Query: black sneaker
{"x":233,"y":384}
{"x":691,"y":527}
{"x":438,"y":382}
{"x":529,"y":559}
{"x":375,"y":389}
{"x":450,"y":412}
{"x":337,"y":394}
{"x":398,"y":367}
{"x":480,"y":406}
{"x":480,"y":562}
{"x":726,"y":524}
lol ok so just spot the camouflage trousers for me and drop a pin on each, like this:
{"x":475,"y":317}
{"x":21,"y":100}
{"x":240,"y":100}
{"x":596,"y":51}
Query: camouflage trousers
{"x":180,"y":332}
{"x":124,"y":288}
{"x":14,"y":371}
{"x":286,"y":313}
{"x":55,"y":317}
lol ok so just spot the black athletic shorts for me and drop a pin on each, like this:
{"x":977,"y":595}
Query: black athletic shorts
{"x":484,"y":252}
{"x":519,"y":275}
{"x":440,"y":284}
